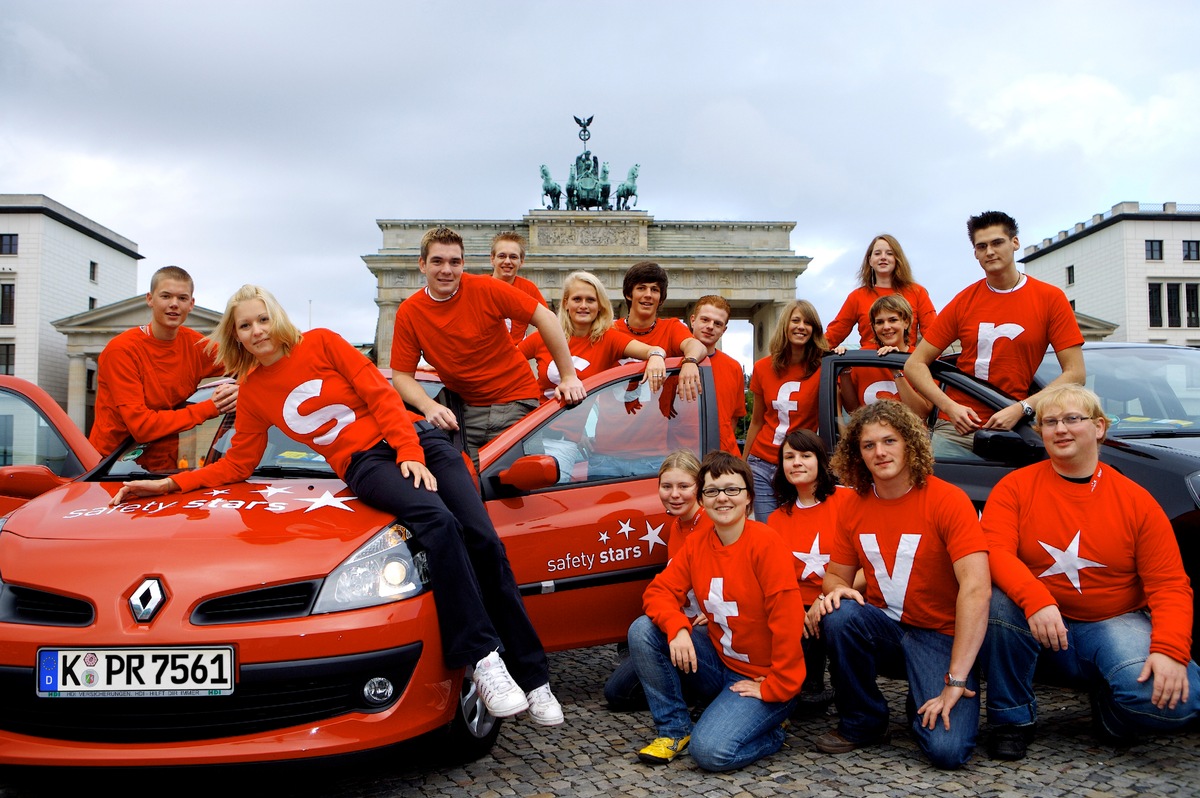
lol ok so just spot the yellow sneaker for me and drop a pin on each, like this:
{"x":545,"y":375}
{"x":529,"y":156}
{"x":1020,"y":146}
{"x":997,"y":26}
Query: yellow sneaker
{"x":663,"y":750}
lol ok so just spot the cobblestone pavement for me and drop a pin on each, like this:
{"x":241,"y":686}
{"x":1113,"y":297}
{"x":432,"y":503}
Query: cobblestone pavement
{"x":593,"y":754}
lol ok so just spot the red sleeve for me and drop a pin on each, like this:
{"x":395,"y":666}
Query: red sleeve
{"x":406,"y":350}
{"x":127,"y":389}
{"x":529,"y":346}
{"x":844,"y":321}
{"x":244,"y":453}
{"x":1168,"y":589}
{"x":383,"y":403}
{"x":1009,"y":572}
{"x":944,"y":330}
{"x":785,"y":617}
{"x":1064,"y":330}
{"x":923,"y":309}
{"x":665,"y":596}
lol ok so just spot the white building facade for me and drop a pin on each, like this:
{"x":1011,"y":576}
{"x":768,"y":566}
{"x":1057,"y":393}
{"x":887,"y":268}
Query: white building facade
{"x":1137,"y":266}
{"x":54,"y":262}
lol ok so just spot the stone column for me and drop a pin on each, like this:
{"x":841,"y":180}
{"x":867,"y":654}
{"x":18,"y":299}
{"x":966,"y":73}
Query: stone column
{"x":763,"y":319}
{"x":77,"y":388}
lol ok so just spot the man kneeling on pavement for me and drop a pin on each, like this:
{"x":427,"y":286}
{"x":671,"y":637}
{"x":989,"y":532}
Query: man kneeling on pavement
{"x":1089,"y":583}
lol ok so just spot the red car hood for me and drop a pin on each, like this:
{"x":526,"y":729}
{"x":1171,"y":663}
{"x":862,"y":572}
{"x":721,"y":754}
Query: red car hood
{"x":261,"y":532}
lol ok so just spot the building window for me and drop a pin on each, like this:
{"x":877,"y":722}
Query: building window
{"x":8,"y":299}
{"x":1191,"y":293}
{"x":1155,"y":304}
{"x":93,"y":270}
{"x":1191,"y":250}
{"x":8,"y":354}
{"x":1173,"y":317}
{"x":1071,"y":274}
{"x":8,"y":243}
{"x":91,"y":303}
{"x":1153,"y":250}
{"x":1072,"y":304}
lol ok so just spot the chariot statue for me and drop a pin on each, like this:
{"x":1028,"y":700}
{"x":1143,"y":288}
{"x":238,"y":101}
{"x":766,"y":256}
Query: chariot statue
{"x":588,"y":186}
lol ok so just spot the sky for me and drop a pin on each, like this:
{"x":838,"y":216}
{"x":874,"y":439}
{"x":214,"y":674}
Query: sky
{"x":259,"y":141}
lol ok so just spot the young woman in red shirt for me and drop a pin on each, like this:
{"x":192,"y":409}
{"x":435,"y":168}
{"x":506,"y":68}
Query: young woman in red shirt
{"x":884,"y":271}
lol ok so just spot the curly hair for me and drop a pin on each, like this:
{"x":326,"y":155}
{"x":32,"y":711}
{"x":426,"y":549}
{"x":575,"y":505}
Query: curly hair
{"x":902,"y":277}
{"x":802,"y":440}
{"x":814,"y":350}
{"x":848,"y":461}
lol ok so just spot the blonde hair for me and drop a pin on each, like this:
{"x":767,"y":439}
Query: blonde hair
{"x":902,"y":277}
{"x":224,"y":344}
{"x":604,"y":317}
{"x":1059,"y":396}
{"x":817,"y":346}
{"x":680,"y":460}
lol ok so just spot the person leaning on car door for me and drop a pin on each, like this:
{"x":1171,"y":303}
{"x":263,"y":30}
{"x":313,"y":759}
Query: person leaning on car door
{"x":146,"y":372}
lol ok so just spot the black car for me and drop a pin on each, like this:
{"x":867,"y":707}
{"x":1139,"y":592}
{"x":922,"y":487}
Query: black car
{"x":1150,"y":392}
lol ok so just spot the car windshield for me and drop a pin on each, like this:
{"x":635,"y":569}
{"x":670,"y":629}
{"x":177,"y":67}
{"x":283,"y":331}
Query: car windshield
{"x":206,"y":443}
{"x":1145,"y":390}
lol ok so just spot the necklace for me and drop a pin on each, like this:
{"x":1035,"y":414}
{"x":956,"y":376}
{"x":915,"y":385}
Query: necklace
{"x":646,"y":331}
{"x":1020,"y":280}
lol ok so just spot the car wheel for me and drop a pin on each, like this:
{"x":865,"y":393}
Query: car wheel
{"x":474,"y":730}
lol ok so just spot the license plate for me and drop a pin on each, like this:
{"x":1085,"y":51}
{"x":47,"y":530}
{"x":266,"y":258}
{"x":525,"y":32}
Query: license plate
{"x":125,"y":672}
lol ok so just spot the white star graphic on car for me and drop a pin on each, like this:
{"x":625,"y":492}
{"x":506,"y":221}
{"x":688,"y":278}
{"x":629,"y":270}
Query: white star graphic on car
{"x":271,"y":490}
{"x":329,"y":500}
{"x":217,"y":492}
{"x":814,"y":561}
{"x":1067,"y":561}
{"x":625,"y":529}
{"x":651,"y":537}
{"x":603,"y":537}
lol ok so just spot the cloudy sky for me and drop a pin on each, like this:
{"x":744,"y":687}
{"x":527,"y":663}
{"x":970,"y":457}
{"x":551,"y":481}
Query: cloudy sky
{"x":259,"y":141}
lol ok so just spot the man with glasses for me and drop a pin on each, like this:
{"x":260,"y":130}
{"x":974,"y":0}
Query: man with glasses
{"x":925,"y":607}
{"x":1004,"y":322}
{"x":1089,"y":584}
{"x":508,"y":256}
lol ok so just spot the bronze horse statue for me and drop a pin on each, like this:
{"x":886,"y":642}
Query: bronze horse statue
{"x":628,"y":189}
{"x":550,"y":190}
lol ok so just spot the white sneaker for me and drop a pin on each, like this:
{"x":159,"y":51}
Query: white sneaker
{"x":499,"y":692}
{"x":544,"y":708}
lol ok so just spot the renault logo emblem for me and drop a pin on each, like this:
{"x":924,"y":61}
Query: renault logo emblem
{"x":147,"y":600}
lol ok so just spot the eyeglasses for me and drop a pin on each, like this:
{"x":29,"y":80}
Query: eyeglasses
{"x":712,"y":493}
{"x":1070,"y":421}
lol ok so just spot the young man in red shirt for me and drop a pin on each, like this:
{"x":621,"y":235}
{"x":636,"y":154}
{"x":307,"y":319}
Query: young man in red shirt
{"x":508,"y":256}
{"x":917,"y":540}
{"x":1005,"y":322}
{"x":1089,"y":583}
{"x":146,"y":372}
{"x":710,"y":319}
{"x":457,"y":322}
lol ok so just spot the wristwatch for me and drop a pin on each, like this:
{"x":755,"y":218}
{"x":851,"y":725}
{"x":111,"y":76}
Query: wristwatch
{"x":1027,"y":409}
{"x":952,"y":682}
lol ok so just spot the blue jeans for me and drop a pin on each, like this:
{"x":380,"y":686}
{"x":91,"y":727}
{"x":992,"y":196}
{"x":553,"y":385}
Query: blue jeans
{"x":859,"y":640}
{"x":765,"y":502}
{"x":733,"y":731}
{"x":1105,"y":656}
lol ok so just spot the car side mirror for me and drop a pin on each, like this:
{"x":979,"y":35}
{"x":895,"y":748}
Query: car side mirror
{"x":28,"y":481}
{"x":1005,"y":446}
{"x":531,"y":472}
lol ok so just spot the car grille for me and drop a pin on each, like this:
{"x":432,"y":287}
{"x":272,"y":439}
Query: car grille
{"x":264,"y":604}
{"x":267,"y":697}
{"x":27,"y":605}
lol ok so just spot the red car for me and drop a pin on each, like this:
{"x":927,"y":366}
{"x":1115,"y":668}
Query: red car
{"x":281,"y":618}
